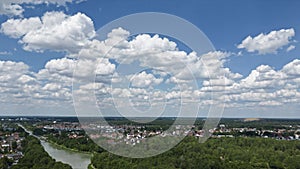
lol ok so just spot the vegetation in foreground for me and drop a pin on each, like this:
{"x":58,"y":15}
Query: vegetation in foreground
{"x":233,"y":153}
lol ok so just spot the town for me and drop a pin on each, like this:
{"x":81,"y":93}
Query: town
{"x":10,"y":141}
{"x":70,"y":134}
{"x":134,"y":133}
{"x":11,"y":138}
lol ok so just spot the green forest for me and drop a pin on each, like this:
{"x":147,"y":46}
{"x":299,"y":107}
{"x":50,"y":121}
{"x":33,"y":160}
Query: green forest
{"x":233,"y":153}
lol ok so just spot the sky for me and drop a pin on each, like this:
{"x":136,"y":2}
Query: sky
{"x":52,"y":61}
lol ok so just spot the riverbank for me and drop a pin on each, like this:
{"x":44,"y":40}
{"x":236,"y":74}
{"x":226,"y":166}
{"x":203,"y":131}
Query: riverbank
{"x":53,"y":143}
{"x":66,"y":148}
{"x":76,"y":159}
{"x":35,"y":155}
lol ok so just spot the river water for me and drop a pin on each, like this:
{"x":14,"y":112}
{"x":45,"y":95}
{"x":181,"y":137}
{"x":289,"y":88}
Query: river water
{"x":75,"y":159}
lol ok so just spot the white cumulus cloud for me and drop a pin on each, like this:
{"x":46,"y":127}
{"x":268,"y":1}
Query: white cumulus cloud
{"x":265,"y":86}
{"x":268,"y":43}
{"x":144,"y":79}
{"x":16,"y":28}
{"x":53,"y":31}
{"x":291,"y":47}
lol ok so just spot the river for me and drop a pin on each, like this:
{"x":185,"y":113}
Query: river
{"x":76,"y":159}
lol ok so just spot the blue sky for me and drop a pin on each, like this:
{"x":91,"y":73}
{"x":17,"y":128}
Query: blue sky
{"x":226,"y":23}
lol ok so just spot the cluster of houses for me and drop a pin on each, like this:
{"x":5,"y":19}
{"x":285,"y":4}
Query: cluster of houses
{"x":135,"y":134}
{"x":75,"y":135}
{"x":62,"y":126}
{"x":10,"y":144}
{"x":276,"y":133}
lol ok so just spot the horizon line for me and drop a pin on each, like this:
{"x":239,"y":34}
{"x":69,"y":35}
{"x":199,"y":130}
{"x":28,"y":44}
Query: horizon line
{"x":69,"y":116}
